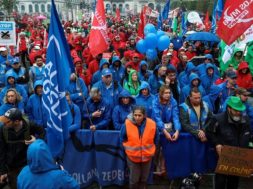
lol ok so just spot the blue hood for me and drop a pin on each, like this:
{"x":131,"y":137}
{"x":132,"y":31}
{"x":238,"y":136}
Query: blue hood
{"x":103,"y":62}
{"x":209,"y":65}
{"x":125,"y":93}
{"x":143,"y":62}
{"x":38,"y":83}
{"x":39,"y":158}
{"x":194,"y":76}
{"x":189,"y":68}
{"x":9,"y":74}
{"x":145,"y":85}
{"x":115,"y":58}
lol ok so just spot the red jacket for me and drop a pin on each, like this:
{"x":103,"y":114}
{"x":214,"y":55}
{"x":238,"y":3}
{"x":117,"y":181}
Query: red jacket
{"x":244,"y":80}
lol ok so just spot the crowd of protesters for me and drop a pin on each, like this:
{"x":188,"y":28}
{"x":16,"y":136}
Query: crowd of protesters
{"x":172,"y":90}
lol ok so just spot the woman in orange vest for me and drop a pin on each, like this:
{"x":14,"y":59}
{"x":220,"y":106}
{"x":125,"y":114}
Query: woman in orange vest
{"x":139,"y":137}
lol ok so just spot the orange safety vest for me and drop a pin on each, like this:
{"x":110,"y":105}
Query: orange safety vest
{"x":140,"y":148}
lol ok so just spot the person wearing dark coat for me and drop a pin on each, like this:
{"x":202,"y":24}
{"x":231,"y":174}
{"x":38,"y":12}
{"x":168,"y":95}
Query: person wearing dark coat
{"x":230,"y":128}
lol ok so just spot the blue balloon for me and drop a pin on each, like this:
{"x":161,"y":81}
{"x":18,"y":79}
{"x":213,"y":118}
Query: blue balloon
{"x":160,"y":33}
{"x":141,"y":46}
{"x":151,"y":54}
{"x":149,"y":28}
{"x":151,"y":41}
{"x":163,"y":43}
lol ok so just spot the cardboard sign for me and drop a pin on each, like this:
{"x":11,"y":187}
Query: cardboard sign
{"x":235,"y":161}
{"x":7,"y":33}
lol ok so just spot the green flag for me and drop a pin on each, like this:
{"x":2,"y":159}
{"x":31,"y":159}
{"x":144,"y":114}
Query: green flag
{"x":249,"y":56}
{"x":174,"y":25}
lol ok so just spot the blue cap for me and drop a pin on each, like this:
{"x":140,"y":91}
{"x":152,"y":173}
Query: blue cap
{"x":14,"y":60}
{"x":231,"y":74}
{"x":106,"y":72}
{"x":209,"y":56}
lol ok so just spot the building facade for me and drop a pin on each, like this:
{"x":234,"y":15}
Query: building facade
{"x":73,"y":9}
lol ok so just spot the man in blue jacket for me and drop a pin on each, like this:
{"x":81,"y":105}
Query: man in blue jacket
{"x":97,"y":112}
{"x":42,"y":171}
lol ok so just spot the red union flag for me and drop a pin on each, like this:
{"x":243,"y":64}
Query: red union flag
{"x":117,"y":15}
{"x":236,"y":18}
{"x":146,"y":11}
{"x":98,"y":34}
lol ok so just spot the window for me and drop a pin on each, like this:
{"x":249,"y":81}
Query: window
{"x":30,"y":8}
{"x":22,"y":8}
{"x":48,"y":8}
{"x":120,"y":7}
{"x":36,"y":8}
{"x":114,"y":7}
{"x":42,"y":8}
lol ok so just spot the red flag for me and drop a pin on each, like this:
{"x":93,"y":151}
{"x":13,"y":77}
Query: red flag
{"x":117,"y":15}
{"x":146,"y":11}
{"x":236,"y":18}
{"x":207,"y":23}
{"x":98,"y":40}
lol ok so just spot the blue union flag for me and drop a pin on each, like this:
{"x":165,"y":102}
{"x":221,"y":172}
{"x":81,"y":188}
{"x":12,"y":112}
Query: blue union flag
{"x":57,"y":73}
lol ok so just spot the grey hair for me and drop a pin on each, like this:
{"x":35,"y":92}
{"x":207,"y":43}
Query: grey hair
{"x":18,"y":96}
{"x":94,"y":92}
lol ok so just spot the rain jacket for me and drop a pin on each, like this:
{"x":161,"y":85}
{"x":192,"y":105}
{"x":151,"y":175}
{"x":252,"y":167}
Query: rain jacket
{"x":111,"y":93}
{"x":42,"y":171}
{"x":117,"y":73}
{"x":145,"y":101}
{"x":202,"y":68}
{"x":206,"y":80}
{"x":211,"y":98}
{"x":233,"y":61}
{"x":189,"y":119}
{"x":2,"y":75}
{"x":101,"y":122}
{"x":75,"y":117}
{"x":155,"y":82}
{"x":121,"y":111}
{"x":78,"y":91}
{"x":129,"y":85}
{"x":244,"y":80}
{"x":186,"y":90}
{"x":141,"y":75}
{"x":165,"y":113}
{"x":184,"y":76}
{"x":97,"y":75}
{"x":19,"y":88}
{"x":34,"y":108}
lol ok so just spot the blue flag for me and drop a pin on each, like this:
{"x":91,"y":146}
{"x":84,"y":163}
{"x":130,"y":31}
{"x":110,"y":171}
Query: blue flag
{"x":57,"y":73}
{"x":166,"y":10}
{"x":159,"y":22}
{"x":217,"y":12}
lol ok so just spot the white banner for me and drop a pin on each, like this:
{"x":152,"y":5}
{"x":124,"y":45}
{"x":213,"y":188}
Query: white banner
{"x":7,"y":33}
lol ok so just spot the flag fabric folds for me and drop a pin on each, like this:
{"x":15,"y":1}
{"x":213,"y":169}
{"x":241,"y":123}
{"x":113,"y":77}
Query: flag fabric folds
{"x":57,"y":73}
{"x":98,"y":40}
{"x":159,"y":22}
{"x":117,"y":15}
{"x":166,"y":10}
{"x":235,"y":20}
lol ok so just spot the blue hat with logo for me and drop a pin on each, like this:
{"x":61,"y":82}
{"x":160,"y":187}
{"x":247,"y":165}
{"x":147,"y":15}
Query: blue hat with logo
{"x":106,"y":72}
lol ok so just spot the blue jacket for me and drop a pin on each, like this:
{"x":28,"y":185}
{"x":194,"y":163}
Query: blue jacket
{"x":211,"y":97}
{"x":101,"y":122}
{"x":225,"y":91}
{"x":166,"y":113}
{"x":155,"y":82}
{"x":34,"y":108}
{"x":36,"y":73}
{"x":19,"y":88}
{"x":145,"y":101}
{"x":75,"y":89}
{"x":201,"y":68}
{"x":42,"y":171}
{"x":206,"y":80}
{"x":189,"y":119}
{"x":75,"y":117}
{"x":117,"y":73}
{"x":184,"y":76}
{"x":144,"y":76}
{"x":7,"y":106}
{"x":121,"y":111}
{"x":97,"y":75}
{"x":111,"y":94}
{"x":186,"y":90}
{"x":3,"y":60}
{"x":2,"y":75}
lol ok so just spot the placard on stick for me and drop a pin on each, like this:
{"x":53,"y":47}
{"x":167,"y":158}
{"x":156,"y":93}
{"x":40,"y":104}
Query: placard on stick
{"x":235,"y":161}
